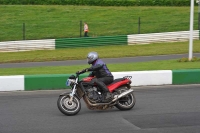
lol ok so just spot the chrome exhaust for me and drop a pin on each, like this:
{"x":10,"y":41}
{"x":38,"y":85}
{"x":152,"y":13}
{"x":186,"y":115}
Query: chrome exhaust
{"x":116,"y":97}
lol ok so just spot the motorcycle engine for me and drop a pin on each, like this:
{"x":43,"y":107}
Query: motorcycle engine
{"x":93,"y":94}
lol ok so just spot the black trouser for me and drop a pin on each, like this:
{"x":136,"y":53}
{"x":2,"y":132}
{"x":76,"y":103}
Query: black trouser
{"x":102,"y":82}
{"x":85,"y":34}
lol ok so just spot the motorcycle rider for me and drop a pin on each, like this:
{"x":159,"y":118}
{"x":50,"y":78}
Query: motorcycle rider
{"x":101,"y":72}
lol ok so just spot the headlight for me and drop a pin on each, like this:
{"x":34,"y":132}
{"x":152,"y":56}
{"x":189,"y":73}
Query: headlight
{"x":70,"y":82}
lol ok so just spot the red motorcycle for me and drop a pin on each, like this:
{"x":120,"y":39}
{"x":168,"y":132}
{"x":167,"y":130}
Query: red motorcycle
{"x":69,"y":103}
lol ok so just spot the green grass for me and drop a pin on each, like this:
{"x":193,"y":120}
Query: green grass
{"x":57,"y":21}
{"x":104,"y":52}
{"x":152,"y":65}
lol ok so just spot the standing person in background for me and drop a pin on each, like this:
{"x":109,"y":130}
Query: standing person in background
{"x":86,"y":29}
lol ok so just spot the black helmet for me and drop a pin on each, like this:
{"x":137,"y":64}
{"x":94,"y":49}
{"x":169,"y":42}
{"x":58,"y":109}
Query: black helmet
{"x":91,"y":57}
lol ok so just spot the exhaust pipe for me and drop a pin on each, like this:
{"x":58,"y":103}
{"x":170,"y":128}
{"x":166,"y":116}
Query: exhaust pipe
{"x":116,"y":97}
{"x":122,"y":95}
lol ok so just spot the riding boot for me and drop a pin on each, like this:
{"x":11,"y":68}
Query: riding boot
{"x":107,"y":96}
{"x":106,"y":92}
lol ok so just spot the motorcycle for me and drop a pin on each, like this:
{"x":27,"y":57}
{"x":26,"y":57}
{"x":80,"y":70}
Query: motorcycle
{"x":122,"y":95}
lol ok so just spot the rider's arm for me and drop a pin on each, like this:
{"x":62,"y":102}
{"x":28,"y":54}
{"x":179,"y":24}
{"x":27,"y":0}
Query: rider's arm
{"x":96,"y":67}
{"x":92,"y":74}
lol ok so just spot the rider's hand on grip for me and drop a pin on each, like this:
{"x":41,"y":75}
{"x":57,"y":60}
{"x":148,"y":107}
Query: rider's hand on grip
{"x":86,"y":69}
{"x":77,"y":72}
{"x":82,"y":71}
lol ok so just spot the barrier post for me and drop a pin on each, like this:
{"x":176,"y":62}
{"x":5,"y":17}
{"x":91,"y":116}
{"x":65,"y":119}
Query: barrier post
{"x":139,"y":25}
{"x":198,"y":2}
{"x":24,"y":31}
{"x":80,"y":28}
{"x":191,"y":29}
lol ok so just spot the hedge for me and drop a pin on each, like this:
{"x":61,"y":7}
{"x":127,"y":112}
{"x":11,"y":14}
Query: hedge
{"x":100,"y":2}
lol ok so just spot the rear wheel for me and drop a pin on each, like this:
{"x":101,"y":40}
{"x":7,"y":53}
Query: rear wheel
{"x":67,"y":107}
{"x":127,"y":102}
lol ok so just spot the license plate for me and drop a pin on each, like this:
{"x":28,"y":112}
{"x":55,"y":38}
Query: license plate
{"x":68,"y":82}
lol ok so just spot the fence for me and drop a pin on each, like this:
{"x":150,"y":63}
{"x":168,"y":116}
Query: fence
{"x":31,"y":31}
{"x":91,"y":41}
{"x":161,"y":37}
{"x":51,"y":44}
{"x":28,"y":45}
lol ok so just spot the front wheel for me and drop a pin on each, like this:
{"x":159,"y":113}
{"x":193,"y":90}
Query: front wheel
{"x":127,"y":102}
{"x":68,"y":108}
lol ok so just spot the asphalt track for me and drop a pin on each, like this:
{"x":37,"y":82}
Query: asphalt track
{"x":107,"y":60}
{"x":158,"y":109}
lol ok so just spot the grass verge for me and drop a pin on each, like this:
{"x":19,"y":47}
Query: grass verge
{"x":104,"y":52}
{"x":141,"y":66}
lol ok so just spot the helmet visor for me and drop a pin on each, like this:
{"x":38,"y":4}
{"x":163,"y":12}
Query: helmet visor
{"x":88,"y":60}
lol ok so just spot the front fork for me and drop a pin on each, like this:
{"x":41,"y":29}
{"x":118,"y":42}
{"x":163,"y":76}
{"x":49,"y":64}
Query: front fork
{"x":73,"y":91}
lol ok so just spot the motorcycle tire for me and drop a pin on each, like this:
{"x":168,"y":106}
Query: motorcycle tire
{"x":127,"y":102}
{"x":68,"y":108}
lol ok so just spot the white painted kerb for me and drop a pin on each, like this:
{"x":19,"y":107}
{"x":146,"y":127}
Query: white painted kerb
{"x":11,"y":83}
{"x":140,"y":78}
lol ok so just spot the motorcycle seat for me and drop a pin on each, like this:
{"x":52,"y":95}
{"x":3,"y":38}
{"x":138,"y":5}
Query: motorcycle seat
{"x":117,"y":80}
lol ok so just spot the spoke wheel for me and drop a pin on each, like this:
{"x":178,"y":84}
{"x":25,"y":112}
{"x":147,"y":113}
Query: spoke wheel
{"x":127,"y":102}
{"x":67,"y":107}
